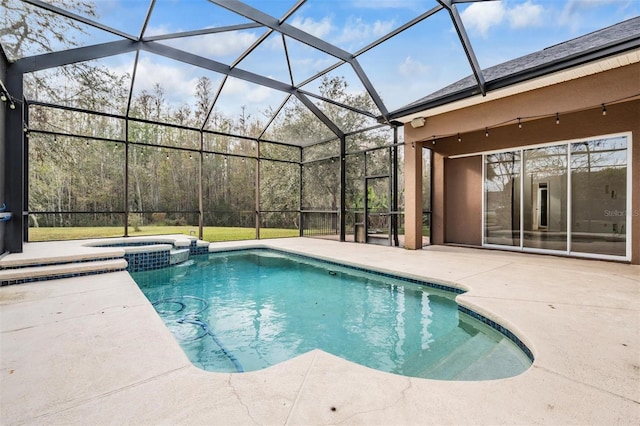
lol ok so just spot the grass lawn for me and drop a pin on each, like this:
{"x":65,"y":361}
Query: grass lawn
{"x":210,"y":233}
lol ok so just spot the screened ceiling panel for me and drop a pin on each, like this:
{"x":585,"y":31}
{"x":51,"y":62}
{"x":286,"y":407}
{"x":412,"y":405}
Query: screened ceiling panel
{"x":276,"y":67}
{"x":100,"y":85}
{"x":223,"y":47}
{"x":171,"y":16}
{"x":343,"y":85}
{"x":347,"y":120}
{"x":415,"y":58}
{"x":102,"y":12}
{"x":173,"y":92}
{"x":306,"y":61}
{"x":356,"y":24}
{"x":27,"y":30}
{"x":245,"y":104}
{"x":296,"y":125}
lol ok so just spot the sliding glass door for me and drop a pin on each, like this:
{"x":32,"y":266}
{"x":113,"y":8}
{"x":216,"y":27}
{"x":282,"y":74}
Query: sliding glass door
{"x":502,"y":199}
{"x":545,"y":198}
{"x":599,"y":196}
{"x":567,"y":198}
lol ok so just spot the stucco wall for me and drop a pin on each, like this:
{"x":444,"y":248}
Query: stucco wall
{"x":463,"y":200}
{"x":579,"y":105}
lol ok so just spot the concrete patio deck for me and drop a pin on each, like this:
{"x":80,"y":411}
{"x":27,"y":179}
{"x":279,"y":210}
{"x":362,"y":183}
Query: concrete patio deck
{"x":91,"y":350}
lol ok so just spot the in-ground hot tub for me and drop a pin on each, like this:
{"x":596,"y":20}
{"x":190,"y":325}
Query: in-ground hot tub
{"x":154,"y":252}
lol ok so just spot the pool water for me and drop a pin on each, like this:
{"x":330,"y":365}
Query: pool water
{"x":247,"y":310}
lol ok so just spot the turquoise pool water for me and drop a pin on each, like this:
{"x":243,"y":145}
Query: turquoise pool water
{"x":250,"y":309}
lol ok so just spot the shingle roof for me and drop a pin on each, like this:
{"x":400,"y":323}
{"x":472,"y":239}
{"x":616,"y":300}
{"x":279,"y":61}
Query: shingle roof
{"x":541,"y":60}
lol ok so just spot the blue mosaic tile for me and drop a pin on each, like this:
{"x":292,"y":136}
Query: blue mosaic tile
{"x":144,"y":261}
{"x":503,"y":330}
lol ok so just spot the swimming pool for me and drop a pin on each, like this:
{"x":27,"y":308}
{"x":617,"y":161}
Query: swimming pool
{"x":246,"y":310}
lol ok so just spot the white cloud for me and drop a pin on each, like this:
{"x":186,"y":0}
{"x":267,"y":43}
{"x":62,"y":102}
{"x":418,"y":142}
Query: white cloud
{"x":229,"y":43}
{"x":410,"y":67}
{"x":157,"y":30}
{"x":483,"y":15}
{"x":319,"y":29}
{"x":525,"y":15}
{"x":572,"y":11}
{"x":179,"y":86}
{"x":355,"y":30}
{"x":390,"y":4}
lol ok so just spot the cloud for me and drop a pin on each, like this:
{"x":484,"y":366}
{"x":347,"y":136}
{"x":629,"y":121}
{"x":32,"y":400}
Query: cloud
{"x":178,"y":84}
{"x":212,"y":45}
{"x":319,"y":29}
{"x":410,"y":67}
{"x":157,"y":30}
{"x":390,"y":4}
{"x":222,"y":44}
{"x":482,"y":16}
{"x":573,"y":10}
{"x":356,"y":30}
{"x":525,"y":15}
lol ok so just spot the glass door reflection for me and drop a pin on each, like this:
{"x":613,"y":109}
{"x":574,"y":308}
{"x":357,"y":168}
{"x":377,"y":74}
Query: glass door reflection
{"x":545,"y":198}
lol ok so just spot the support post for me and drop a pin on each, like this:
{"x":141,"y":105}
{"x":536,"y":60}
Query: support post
{"x":343,"y":187}
{"x":126,"y":177}
{"x":257,"y":189}
{"x":300,"y":189}
{"x":413,"y":195}
{"x":15,"y":140}
{"x":200,"y":189}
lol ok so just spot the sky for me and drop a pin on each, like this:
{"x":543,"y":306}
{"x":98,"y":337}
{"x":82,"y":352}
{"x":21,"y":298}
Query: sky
{"x":421,"y":60}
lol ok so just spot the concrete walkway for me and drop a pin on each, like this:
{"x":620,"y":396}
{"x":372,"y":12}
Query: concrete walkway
{"x":92,"y":350}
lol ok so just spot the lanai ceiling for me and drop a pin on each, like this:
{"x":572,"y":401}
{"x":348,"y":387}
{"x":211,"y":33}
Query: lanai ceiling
{"x":262,"y":57}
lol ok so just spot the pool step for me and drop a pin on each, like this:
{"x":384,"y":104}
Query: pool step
{"x":500,"y":358}
{"x":177,"y":256}
{"x":461,"y":358}
{"x":44,"y":272}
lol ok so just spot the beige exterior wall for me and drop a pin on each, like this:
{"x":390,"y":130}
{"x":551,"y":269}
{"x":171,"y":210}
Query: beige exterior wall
{"x":578,"y":103}
{"x":463,"y":200}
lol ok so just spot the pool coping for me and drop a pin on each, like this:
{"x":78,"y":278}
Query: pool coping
{"x":579,"y":317}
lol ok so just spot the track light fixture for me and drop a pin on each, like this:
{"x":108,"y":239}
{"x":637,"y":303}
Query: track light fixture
{"x":557,"y":118}
{"x":604,"y":110}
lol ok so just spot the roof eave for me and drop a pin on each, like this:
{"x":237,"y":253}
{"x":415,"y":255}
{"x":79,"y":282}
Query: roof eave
{"x":595,"y":54}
